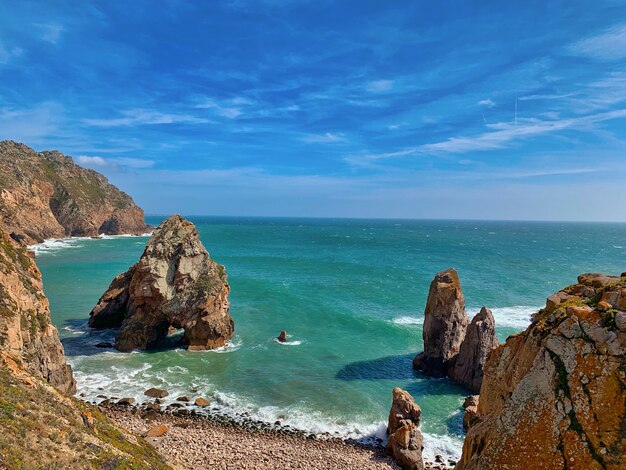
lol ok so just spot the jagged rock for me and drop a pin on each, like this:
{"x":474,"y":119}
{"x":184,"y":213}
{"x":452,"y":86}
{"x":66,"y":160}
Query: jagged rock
{"x":46,"y":195}
{"x":445,"y":323}
{"x":156,"y":393}
{"x":282,"y":337}
{"x":405,"y":441}
{"x":470,"y":408}
{"x":467,"y":367}
{"x":26,"y":334}
{"x":556,"y":393}
{"x":174,"y":284}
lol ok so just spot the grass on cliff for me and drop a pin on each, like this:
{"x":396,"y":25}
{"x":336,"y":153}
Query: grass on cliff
{"x":41,"y":429}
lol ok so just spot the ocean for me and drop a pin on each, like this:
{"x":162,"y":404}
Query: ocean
{"x":351,"y":296}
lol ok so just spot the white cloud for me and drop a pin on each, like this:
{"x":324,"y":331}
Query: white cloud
{"x":610,"y":45}
{"x":99,"y":162}
{"x":487,"y":103}
{"x":379,"y":86}
{"x":50,"y":32}
{"x":231,"y":108}
{"x":134,"y":117}
{"x":7,"y":54}
{"x":327,"y":138}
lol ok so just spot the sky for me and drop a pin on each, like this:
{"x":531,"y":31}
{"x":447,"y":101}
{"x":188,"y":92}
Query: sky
{"x":396,"y":109}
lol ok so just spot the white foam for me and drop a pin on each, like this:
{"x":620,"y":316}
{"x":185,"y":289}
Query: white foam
{"x":406,"y":320}
{"x":288,"y":343}
{"x":56,"y":244}
{"x":517,"y":316}
{"x":230,"y":346}
{"x":442,"y":444}
{"x":104,"y":236}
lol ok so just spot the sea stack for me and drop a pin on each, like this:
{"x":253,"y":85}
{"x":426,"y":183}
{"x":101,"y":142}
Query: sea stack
{"x":467,"y":367}
{"x":445,"y":323}
{"x":174,"y":284}
{"x":555,"y":394}
{"x":282,"y":337}
{"x":405,"y":441}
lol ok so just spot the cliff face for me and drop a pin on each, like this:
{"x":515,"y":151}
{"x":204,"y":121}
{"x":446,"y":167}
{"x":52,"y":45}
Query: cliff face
{"x":46,"y":195}
{"x":26,"y":334}
{"x":555,"y":394}
{"x":174,"y":284}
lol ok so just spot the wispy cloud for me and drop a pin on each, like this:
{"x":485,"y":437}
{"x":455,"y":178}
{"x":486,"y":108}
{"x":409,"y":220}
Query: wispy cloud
{"x":134,"y":117}
{"x":609,"y":45}
{"x":7,"y":54}
{"x":327,"y":138}
{"x":100,"y":162}
{"x":379,"y":86}
{"x":50,"y":32}
{"x":488,"y":103}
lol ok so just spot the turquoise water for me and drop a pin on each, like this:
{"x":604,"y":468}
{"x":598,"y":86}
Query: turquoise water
{"x":351,"y":295}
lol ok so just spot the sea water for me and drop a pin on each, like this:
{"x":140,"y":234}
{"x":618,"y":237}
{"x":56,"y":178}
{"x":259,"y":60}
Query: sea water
{"x":351,"y":296}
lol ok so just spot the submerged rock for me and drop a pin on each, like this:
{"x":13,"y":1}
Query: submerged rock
{"x":405,"y":441}
{"x":556,"y":393}
{"x":445,"y":323}
{"x":467,"y":367}
{"x":175,"y":284}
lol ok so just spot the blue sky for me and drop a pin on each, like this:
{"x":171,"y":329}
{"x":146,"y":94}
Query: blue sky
{"x":349,"y":109}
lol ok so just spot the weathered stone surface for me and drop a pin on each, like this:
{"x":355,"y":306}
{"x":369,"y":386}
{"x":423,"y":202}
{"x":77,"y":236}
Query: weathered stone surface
{"x":156,"y":393}
{"x":467,"y":368}
{"x":405,"y":441}
{"x":445,"y":323}
{"x":174,"y":284}
{"x":46,"y":195}
{"x":157,"y":431}
{"x":470,"y":414}
{"x":556,"y":393}
{"x":26,"y":334}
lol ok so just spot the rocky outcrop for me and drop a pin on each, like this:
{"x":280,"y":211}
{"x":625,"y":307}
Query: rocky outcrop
{"x":46,"y":195}
{"x":27,"y":337}
{"x":445,"y":323}
{"x":555,"y":394}
{"x":405,"y":441}
{"x":467,"y":367}
{"x":176,"y":285}
{"x":470,"y":411}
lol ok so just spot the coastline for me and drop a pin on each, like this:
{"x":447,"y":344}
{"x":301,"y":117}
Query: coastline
{"x":199,"y":441}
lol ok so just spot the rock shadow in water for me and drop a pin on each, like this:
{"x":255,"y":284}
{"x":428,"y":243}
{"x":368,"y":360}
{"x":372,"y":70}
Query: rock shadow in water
{"x":385,"y":368}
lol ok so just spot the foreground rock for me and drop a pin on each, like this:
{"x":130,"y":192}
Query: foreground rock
{"x":470,"y":411}
{"x":175,"y":284}
{"x":555,"y":394}
{"x":445,"y":322}
{"x":405,"y":441}
{"x":27,"y":336}
{"x":46,"y":195}
{"x":467,"y":367}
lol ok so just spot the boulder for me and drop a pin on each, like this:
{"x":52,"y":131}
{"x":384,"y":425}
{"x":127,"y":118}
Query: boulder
{"x":157,"y":431}
{"x":467,"y":367}
{"x":282,"y":337}
{"x":555,"y":394}
{"x":176,"y":285}
{"x":445,"y":323}
{"x":156,"y":393}
{"x":128,"y":401}
{"x":202,"y":402}
{"x":405,"y":441}
{"x":470,"y":411}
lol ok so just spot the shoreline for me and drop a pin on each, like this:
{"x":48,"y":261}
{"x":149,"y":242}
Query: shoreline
{"x":195,"y":441}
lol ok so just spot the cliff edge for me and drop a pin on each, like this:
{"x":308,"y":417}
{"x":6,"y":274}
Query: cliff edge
{"x":46,"y":195}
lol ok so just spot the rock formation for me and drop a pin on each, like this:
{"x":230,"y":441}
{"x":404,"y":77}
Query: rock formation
{"x":46,"y":195}
{"x":174,"y":284}
{"x":445,"y":323}
{"x":282,"y":337}
{"x":470,"y":411}
{"x":405,"y":442}
{"x":467,"y":367}
{"x":555,"y":394}
{"x":27,"y":337}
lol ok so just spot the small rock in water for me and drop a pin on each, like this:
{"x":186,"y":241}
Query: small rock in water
{"x":282,"y":337}
{"x":202,"y":402}
{"x":127,"y":401}
{"x":439,"y":458}
{"x":104,"y":344}
{"x":156,"y":393}
{"x":183,"y":398}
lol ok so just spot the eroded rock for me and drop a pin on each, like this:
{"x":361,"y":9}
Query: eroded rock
{"x":174,"y":284}
{"x":445,"y":323}
{"x":405,"y":441}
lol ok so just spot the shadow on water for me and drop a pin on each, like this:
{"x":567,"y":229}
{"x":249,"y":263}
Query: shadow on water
{"x":384,"y":368}
{"x":82,"y":340}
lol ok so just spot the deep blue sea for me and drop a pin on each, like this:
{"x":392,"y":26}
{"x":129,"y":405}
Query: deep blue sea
{"x":351,"y":295}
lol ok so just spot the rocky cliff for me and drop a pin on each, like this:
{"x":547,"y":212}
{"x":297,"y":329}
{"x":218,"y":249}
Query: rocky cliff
{"x":554,"y":396}
{"x":27,"y":336}
{"x":46,"y":195}
{"x":405,"y":440}
{"x":176,"y":285}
